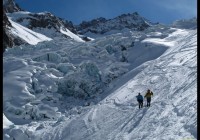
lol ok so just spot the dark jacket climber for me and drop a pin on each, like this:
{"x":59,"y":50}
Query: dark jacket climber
{"x":140,"y":100}
{"x":148,"y":97}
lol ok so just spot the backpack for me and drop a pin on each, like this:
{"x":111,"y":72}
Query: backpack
{"x":139,"y":97}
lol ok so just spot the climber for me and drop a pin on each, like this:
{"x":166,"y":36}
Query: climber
{"x":148,"y":97}
{"x":140,"y":100}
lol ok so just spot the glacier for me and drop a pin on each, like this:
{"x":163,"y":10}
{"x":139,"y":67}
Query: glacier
{"x":69,"y":89}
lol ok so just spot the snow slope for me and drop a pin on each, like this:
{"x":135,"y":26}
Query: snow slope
{"x":26,"y":34}
{"x":161,"y":59}
{"x":72,"y":35}
{"x":44,"y":23}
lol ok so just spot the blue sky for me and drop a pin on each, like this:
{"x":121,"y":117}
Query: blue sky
{"x":163,"y":11}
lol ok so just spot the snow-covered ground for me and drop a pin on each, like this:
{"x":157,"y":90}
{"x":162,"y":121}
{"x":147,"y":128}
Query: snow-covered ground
{"x":104,"y":76}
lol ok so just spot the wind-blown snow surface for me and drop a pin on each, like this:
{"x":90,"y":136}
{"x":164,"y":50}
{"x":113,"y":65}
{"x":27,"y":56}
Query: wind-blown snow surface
{"x":161,"y":59}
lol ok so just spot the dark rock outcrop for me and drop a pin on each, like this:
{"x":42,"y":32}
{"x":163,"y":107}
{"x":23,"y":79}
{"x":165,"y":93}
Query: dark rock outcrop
{"x":37,"y":20}
{"x":10,"y":6}
{"x":7,"y":39}
{"x":46,"y":20}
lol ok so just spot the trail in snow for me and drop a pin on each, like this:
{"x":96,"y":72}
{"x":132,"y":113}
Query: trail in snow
{"x":161,"y":120}
{"x":172,"y":114}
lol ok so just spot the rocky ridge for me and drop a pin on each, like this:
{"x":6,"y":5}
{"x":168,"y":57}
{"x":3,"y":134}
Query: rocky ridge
{"x":102,"y":25}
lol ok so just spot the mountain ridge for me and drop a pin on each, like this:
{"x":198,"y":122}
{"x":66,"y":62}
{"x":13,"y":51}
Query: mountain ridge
{"x":51,"y":25}
{"x":102,"y":25}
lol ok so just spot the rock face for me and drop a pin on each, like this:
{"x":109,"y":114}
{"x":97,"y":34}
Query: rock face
{"x":44,"y":23}
{"x":10,"y":6}
{"x":7,"y":39}
{"x":102,"y":25}
{"x":45,"y":20}
{"x":5,"y":20}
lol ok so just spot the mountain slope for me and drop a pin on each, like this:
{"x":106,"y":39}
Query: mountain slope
{"x":46,"y":24}
{"x":26,"y":34}
{"x":120,"y":65}
{"x":42,"y":23}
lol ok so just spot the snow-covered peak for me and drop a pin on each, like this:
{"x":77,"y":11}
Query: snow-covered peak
{"x":102,"y":25}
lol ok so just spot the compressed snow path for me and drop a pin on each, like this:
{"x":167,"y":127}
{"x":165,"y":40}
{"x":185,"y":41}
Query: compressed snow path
{"x":172,"y":77}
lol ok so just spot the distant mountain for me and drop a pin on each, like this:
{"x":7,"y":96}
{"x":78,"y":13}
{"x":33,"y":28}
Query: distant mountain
{"x":102,"y":25}
{"x":185,"y":23}
{"x":38,"y":24}
{"x":51,"y":26}
{"x":44,"y":23}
